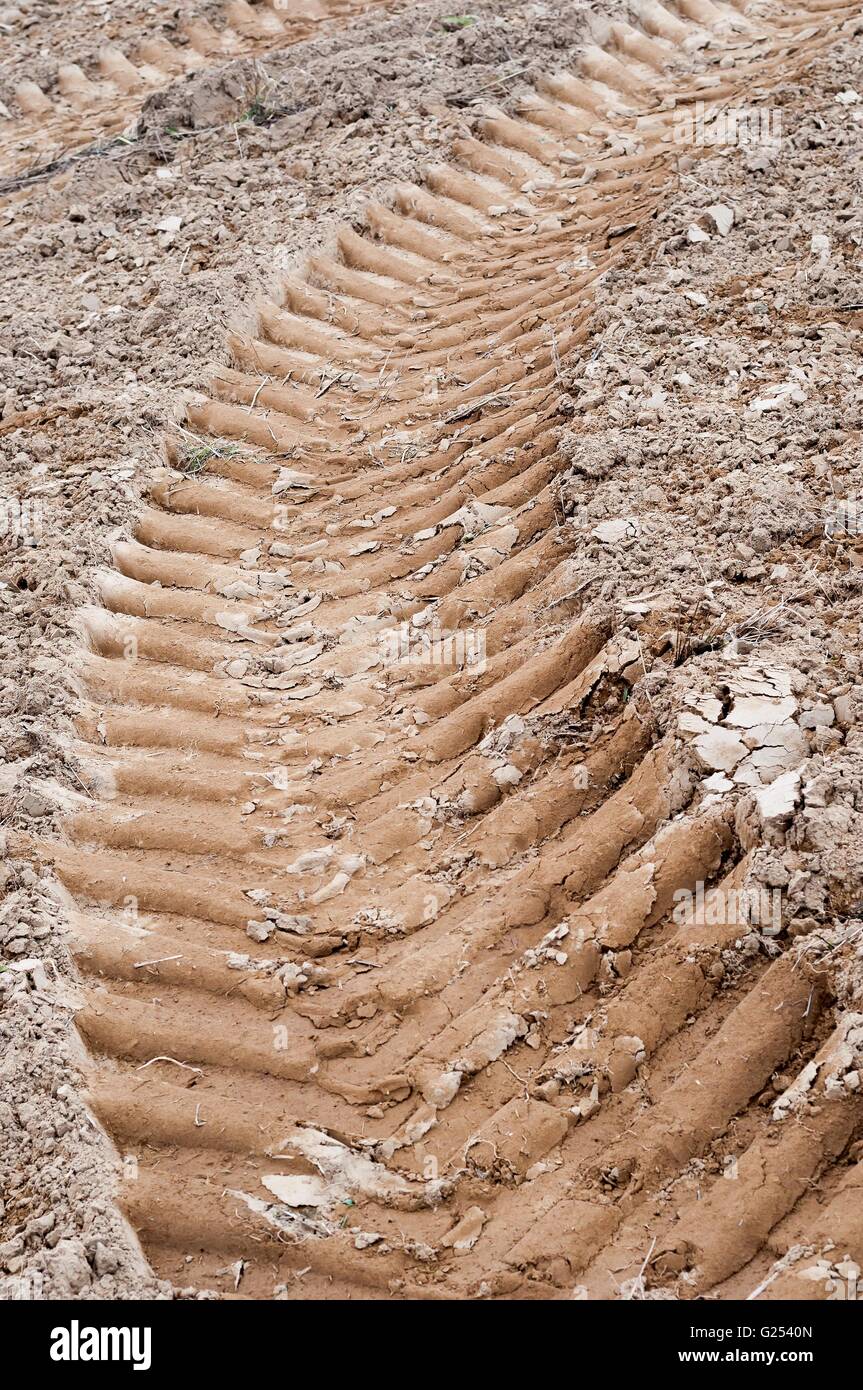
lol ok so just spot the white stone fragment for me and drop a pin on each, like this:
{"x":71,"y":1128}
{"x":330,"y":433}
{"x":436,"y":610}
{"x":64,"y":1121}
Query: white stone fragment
{"x":722,"y":217}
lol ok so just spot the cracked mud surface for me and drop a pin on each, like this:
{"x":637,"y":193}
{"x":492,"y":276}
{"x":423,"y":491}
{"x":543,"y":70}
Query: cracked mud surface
{"x":431,"y":675}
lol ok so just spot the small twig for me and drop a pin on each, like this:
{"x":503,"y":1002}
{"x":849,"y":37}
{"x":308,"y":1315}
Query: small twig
{"x":184,"y":1065}
{"x":638,"y":1282}
{"x":520,"y":1079}
{"x":644,"y":669}
{"x":779,"y":1268}
{"x":81,"y":783}
{"x":555,"y":357}
{"x":265,"y":382}
{"x":574,"y":593}
{"x":340,"y":378}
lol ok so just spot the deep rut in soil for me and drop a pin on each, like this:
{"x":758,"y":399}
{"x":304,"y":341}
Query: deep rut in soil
{"x":355,"y":883}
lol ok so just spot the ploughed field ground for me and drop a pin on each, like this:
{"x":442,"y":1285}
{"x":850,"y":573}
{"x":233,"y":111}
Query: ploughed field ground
{"x":430,"y":676}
